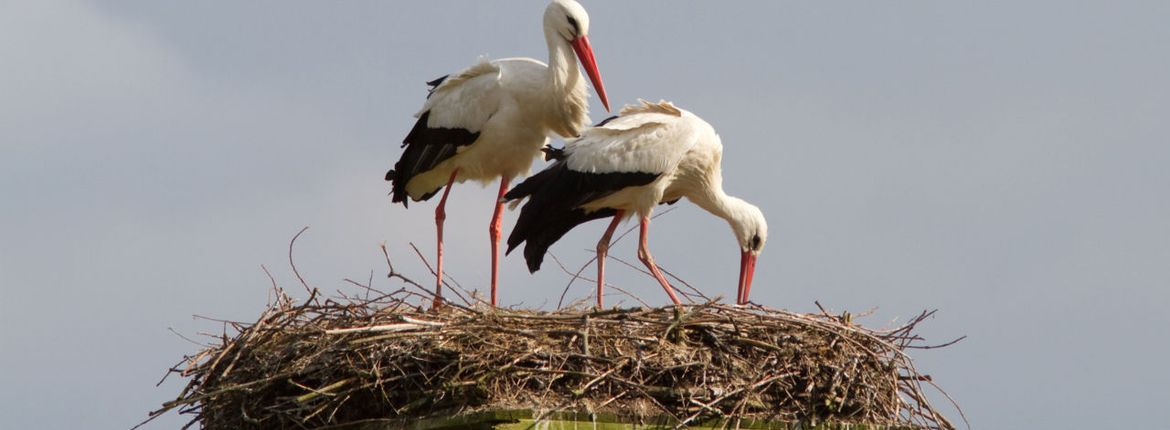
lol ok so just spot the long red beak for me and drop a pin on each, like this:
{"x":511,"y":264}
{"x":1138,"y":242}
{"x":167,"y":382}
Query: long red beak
{"x":747,"y":269}
{"x":585,"y":54}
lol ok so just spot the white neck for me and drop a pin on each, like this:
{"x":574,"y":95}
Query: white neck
{"x":718,"y":203}
{"x":562,"y":64}
{"x":565,"y":97}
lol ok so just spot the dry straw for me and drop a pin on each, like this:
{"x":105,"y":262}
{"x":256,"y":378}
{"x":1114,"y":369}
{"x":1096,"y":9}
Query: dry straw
{"x":327,"y":362}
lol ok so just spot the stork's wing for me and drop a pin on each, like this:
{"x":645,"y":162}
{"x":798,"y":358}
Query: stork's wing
{"x":554,"y":196}
{"x":649,"y":142}
{"x":466,"y":99}
{"x":456,"y":110}
{"x":634,"y":149}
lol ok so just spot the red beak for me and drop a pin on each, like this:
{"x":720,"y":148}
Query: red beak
{"x":585,"y":54}
{"x":747,"y":268}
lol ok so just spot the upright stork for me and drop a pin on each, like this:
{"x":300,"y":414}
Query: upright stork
{"x":650,"y":154}
{"x":490,"y":120}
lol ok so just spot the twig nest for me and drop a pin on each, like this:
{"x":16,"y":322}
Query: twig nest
{"x":331,"y":362}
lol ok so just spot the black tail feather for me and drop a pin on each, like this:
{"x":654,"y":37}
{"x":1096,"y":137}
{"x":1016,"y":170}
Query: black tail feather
{"x":555,"y":196}
{"x":538,"y":242}
{"x":534,"y":183}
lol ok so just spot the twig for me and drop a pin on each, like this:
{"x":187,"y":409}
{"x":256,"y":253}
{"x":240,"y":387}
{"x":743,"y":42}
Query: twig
{"x":377,"y":328}
{"x":593,"y":259}
{"x":193,"y":341}
{"x":644,"y":272}
{"x":312,"y":291}
{"x":941,"y":345}
{"x":433,"y":273}
{"x":607,"y":285}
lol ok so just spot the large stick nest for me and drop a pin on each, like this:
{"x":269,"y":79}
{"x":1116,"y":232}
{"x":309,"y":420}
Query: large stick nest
{"x":322,"y":363}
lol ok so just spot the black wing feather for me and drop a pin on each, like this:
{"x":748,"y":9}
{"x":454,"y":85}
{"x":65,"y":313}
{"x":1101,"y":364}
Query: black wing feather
{"x":426,"y":147}
{"x":551,"y":153}
{"x":553,"y":208}
{"x":606,"y":121}
{"x":434,"y":84}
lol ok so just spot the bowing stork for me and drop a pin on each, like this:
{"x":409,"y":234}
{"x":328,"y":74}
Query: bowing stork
{"x":490,"y":120}
{"x":649,"y":154}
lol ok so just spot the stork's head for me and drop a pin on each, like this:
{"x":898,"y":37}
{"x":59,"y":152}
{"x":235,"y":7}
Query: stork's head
{"x":751,"y":231}
{"x":567,"y":19}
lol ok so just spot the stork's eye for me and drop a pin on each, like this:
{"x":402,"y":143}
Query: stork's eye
{"x":756,"y":242}
{"x":573,"y":22}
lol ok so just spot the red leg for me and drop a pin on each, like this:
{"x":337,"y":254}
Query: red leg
{"x":648,"y":260}
{"x":440,"y":215}
{"x":494,"y":234}
{"x":602,"y":250}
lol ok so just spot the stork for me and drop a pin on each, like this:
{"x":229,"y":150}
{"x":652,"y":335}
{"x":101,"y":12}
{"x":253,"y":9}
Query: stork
{"x":490,"y":120}
{"x":649,"y":154}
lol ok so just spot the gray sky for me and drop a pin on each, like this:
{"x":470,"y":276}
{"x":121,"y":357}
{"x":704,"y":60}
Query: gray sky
{"x":1006,"y":163}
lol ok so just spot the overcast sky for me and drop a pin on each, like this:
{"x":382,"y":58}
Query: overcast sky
{"x":1007,"y":163}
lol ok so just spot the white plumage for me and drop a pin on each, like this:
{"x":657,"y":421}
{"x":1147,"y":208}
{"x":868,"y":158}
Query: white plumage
{"x":648,"y":142}
{"x":650,"y":154}
{"x":491,"y":120}
{"x":499,"y":100}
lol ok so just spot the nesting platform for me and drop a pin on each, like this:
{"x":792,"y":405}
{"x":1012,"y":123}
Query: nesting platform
{"x":529,"y":419}
{"x":384,"y":363}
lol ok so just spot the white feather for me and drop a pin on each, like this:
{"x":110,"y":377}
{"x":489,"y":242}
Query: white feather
{"x":682,"y":148}
{"x":514,"y":104}
{"x":466,"y":99}
{"x":648,"y":142}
